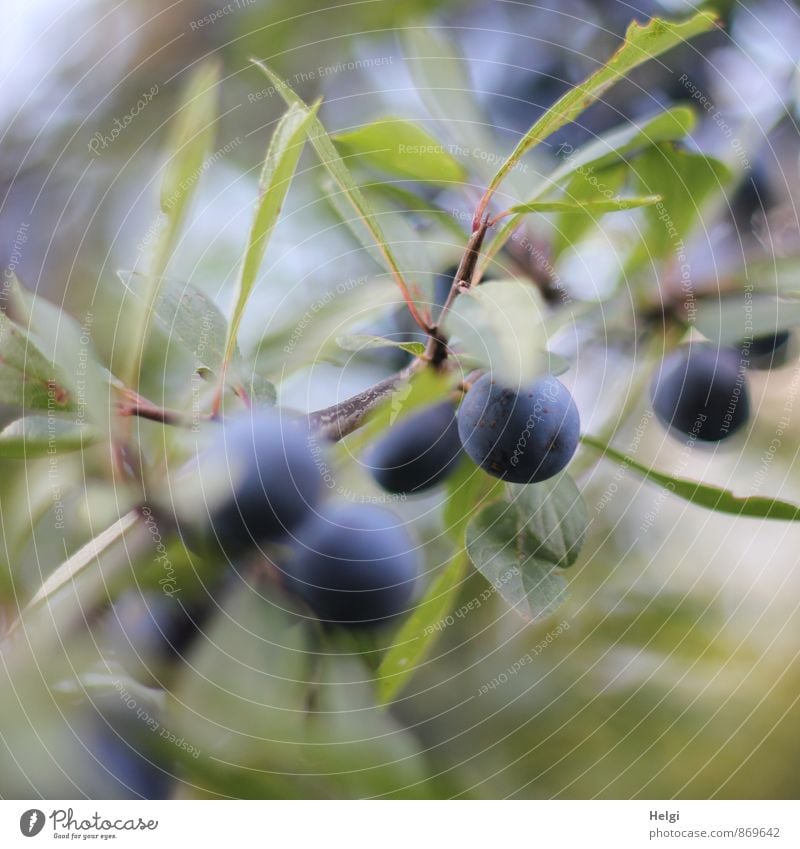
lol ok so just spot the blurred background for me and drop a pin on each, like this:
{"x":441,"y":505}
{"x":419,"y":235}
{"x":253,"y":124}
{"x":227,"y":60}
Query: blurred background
{"x":673,"y":668}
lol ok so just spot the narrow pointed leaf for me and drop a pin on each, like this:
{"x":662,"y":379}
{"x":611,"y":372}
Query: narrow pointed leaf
{"x":704,"y":495}
{"x":28,"y":379}
{"x":333,"y":163}
{"x":642,"y":43}
{"x":415,"y":639}
{"x":615,"y":204}
{"x":361,"y":342}
{"x":38,"y":436}
{"x":600,"y":155}
{"x":280,"y":163}
{"x":190,"y":144}
{"x":401,"y":148}
{"x":442,"y":78}
{"x":186,"y":315}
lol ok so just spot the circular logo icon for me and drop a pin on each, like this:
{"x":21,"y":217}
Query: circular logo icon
{"x":31,"y":822}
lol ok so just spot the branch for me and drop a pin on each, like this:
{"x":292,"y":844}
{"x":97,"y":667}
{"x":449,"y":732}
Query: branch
{"x":338,"y":421}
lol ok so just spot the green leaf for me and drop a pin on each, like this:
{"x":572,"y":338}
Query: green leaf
{"x":412,"y":202}
{"x":610,"y":148}
{"x":554,"y":514}
{"x":396,"y":227}
{"x":192,"y":132}
{"x":599,"y":161}
{"x":415,"y":639}
{"x":735,"y":318}
{"x":360,"y":342}
{"x":64,"y":340}
{"x":190,"y":142}
{"x":593,"y":207}
{"x":501,"y":325}
{"x":642,"y":43}
{"x":703,"y":495}
{"x":776,"y":274}
{"x":469,"y":489}
{"x":280,"y":163}
{"x":27,"y":377}
{"x":186,"y":315}
{"x":513,"y":562}
{"x":684,"y":180}
{"x":571,"y":228}
{"x":443,"y":82}
{"x":306,"y":722}
{"x":38,"y":436}
{"x":91,"y":555}
{"x":262,"y":392}
{"x":330,"y":159}
{"x":16,"y":297}
{"x":401,"y":148}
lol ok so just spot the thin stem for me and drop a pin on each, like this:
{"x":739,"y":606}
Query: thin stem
{"x":145,"y":410}
{"x":436,"y":350}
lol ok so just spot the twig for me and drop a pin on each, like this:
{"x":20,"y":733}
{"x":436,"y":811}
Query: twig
{"x":145,"y":410}
{"x":436,"y":350}
{"x":338,"y":421}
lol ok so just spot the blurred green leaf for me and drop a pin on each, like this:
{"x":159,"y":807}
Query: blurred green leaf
{"x":642,"y":43}
{"x":28,"y":379}
{"x":26,"y":495}
{"x":187,"y":316}
{"x":191,"y":138}
{"x":360,"y":342}
{"x":512,"y":559}
{"x":260,"y":698}
{"x":500,"y":324}
{"x":554,"y":514}
{"x":415,"y":639}
{"x":600,"y":161}
{"x":191,"y":135}
{"x":16,"y":299}
{"x":593,"y":206}
{"x":412,"y":202}
{"x":684,"y":180}
{"x":280,"y":163}
{"x":262,"y":392}
{"x":703,"y":495}
{"x":775,"y":274}
{"x":65,"y":341}
{"x":397,"y":229}
{"x":469,"y":489}
{"x":613,"y":147}
{"x":734,"y":318}
{"x":401,"y":148}
{"x":570,"y":228}
{"x":37,"y":436}
{"x":326,"y":150}
{"x":443,"y":81}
